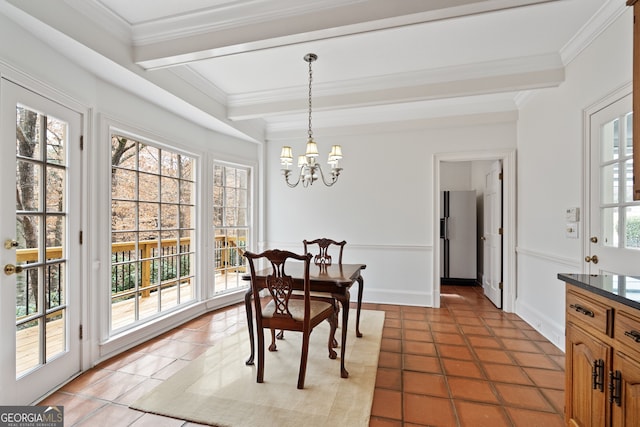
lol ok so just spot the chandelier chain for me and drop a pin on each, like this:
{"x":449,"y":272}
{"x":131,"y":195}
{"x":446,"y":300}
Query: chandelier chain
{"x":310,"y":79}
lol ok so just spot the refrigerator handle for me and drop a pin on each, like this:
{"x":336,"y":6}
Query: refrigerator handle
{"x":444,"y":228}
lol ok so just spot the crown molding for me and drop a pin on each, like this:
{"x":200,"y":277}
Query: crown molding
{"x":101,"y":15}
{"x":601,"y":20}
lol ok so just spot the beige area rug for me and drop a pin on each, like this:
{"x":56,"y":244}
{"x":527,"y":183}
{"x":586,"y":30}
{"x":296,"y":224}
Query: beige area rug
{"x":220,"y":390}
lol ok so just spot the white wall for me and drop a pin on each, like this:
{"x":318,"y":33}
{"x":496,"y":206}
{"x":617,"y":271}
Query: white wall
{"x":550,"y":171}
{"x":382,"y":203}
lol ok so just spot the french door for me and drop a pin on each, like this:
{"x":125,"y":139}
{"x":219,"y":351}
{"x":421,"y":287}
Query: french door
{"x":612,"y":244}
{"x":39,"y":244}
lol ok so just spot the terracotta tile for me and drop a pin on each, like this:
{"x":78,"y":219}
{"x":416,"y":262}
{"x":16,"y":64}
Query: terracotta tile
{"x":383,"y":422}
{"x":428,"y":410}
{"x":147,"y":365}
{"x":86,"y":379}
{"x":509,"y":333}
{"x":559,"y":360}
{"x":520,"y":345}
{"x":549,"y":348}
{"x":419,"y":347}
{"x":421,"y":325}
{"x":392,"y":323}
{"x":471,"y":389}
{"x":526,"y":418}
{"x":423,"y":383}
{"x":490,"y":342}
{"x":461,"y":368}
{"x":555,"y":397}
{"x":440,"y":317}
{"x":535,"y":335}
{"x":546,"y":378}
{"x":76,"y":407}
{"x":392,"y":333}
{"x":466,"y":320}
{"x":171,"y":348}
{"x":447,"y":338}
{"x":387,"y":404}
{"x":473,"y":414}
{"x":389,"y":379}
{"x":111,"y":415}
{"x":414,"y":362}
{"x":523,"y":397}
{"x":391,"y":345}
{"x":113,"y":386}
{"x":533,"y":360}
{"x":445,"y":327}
{"x":387,"y":359}
{"x":416,"y":335}
{"x":499,"y":323}
{"x":137,"y":392}
{"x":493,"y":355}
{"x":506,"y":373}
{"x":455,"y":351}
{"x":474,"y":329}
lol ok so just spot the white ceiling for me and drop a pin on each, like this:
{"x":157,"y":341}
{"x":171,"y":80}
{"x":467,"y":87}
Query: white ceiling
{"x":377,"y":59}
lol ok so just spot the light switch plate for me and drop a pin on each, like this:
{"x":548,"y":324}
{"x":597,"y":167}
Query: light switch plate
{"x":572,"y":214}
{"x":571,"y":230}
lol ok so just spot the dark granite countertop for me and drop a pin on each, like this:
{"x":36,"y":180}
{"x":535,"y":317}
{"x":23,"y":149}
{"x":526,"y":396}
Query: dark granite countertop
{"x":624,"y":289}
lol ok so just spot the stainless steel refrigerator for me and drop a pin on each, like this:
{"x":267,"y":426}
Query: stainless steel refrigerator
{"x":458,"y":237}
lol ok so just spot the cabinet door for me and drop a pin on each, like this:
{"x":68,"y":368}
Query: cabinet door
{"x":626,"y":410}
{"x":586,"y":406}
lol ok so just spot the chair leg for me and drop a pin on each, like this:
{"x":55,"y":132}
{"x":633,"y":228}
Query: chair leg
{"x":303,"y":359}
{"x":332,"y":343}
{"x":273,"y":347}
{"x":260,"y":376}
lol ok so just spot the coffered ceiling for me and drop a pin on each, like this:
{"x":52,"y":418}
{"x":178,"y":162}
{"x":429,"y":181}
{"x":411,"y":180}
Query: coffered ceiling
{"x":241,"y":61}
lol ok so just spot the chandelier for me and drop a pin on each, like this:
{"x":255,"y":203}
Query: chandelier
{"x":310,"y":170}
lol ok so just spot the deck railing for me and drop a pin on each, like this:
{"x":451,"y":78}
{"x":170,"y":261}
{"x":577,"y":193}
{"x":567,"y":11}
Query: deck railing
{"x":227,"y":257}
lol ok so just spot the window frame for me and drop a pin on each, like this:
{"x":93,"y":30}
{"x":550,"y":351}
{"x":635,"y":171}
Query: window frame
{"x":107,"y":332}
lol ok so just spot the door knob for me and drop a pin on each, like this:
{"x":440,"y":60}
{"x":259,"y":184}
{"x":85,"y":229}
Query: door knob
{"x":593,"y":259}
{"x":10,"y":269}
{"x":594,"y":239}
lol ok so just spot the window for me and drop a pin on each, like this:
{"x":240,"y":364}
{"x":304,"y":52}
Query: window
{"x":152,"y":231}
{"x":231,"y":225}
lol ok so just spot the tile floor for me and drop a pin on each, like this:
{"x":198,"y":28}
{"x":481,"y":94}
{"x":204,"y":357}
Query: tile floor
{"x":465,"y":364}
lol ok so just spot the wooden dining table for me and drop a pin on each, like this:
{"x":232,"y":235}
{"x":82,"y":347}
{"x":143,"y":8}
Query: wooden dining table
{"x":335,"y":279}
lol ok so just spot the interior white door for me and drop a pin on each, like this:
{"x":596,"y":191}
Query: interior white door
{"x":40,"y":248}
{"x":492,"y":236}
{"x":613,"y":241}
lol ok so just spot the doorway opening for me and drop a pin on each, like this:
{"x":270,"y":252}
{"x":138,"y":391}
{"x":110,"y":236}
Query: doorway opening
{"x":446,"y":166}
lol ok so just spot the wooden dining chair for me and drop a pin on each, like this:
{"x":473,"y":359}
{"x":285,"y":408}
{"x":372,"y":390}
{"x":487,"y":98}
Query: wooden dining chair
{"x":323,"y":257}
{"x":283,"y":312}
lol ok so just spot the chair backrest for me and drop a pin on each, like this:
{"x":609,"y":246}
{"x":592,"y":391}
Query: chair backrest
{"x":278,"y":283}
{"x":323,"y":257}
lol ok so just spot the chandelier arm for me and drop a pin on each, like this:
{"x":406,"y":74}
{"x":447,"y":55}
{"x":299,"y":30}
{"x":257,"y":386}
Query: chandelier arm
{"x":334,"y":177}
{"x":286,"y":178}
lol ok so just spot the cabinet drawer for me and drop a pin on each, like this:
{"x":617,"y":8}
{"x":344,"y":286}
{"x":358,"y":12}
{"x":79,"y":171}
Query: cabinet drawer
{"x":590,"y":313}
{"x":627,"y":330}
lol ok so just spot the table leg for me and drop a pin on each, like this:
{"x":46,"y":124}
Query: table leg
{"x":249,"y":310}
{"x":360,"y":288}
{"x":344,"y":301}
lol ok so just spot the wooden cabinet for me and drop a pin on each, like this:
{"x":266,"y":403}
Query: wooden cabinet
{"x":602,"y":385}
